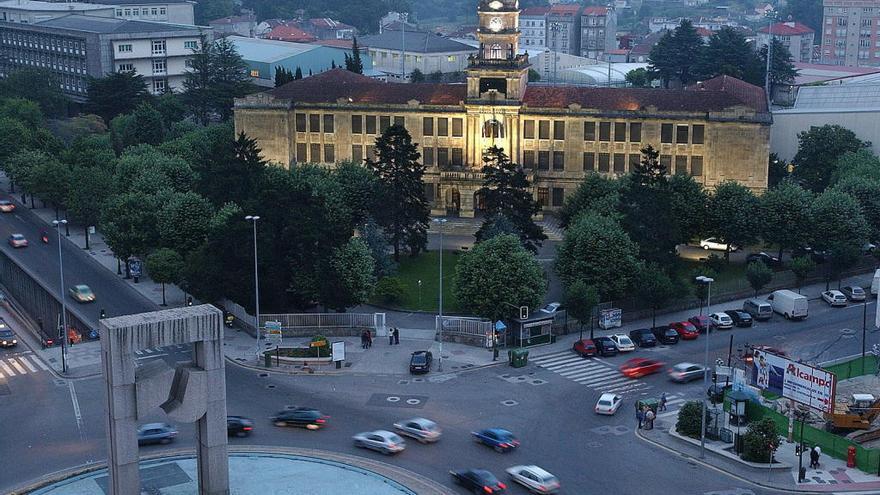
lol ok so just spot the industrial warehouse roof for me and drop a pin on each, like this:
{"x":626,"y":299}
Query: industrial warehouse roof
{"x":837,"y":98}
{"x":268,"y":51}
{"x":414,"y":42}
{"x":109,"y":25}
{"x":50,"y":6}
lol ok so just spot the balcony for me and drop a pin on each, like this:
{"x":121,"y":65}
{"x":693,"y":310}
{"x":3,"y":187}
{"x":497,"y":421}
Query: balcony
{"x":516,"y":62}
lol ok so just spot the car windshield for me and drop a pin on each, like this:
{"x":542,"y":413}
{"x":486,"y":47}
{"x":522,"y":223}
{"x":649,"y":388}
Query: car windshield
{"x":604,"y":402}
{"x":6,"y":333}
{"x":419,"y":359}
{"x":84,"y":290}
{"x":17,"y":237}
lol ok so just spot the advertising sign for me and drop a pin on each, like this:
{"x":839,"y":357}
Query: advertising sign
{"x":338,"y":349}
{"x":273,"y":331}
{"x":610,"y":318}
{"x":813,"y":387}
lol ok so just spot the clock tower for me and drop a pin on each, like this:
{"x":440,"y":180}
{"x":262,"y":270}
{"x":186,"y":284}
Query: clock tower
{"x":497,"y":73}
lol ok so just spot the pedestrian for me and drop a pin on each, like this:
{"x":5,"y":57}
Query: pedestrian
{"x":814,"y":458}
{"x":640,"y":415}
{"x":364,"y":339}
{"x":662,"y":402}
{"x":369,"y":339}
{"x":397,"y":336}
{"x":649,"y":419}
{"x":391,"y":336}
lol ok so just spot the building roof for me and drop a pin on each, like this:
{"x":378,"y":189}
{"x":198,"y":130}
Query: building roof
{"x":328,"y":23}
{"x":289,"y":33}
{"x":50,"y":6}
{"x":749,"y":94}
{"x":643,"y":47}
{"x":535,"y":11}
{"x":109,"y":25}
{"x":703,"y":32}
{"x":813,"y":73}
{"x":414,"y":41}
{"x":335,"y":43}
{"x":836,"y":99}
{"x":268,"y":51}
{"x":138,"y":2}
{"x":787,"y":29}
{"x":233,"y":19}
{"x":595,"y":10}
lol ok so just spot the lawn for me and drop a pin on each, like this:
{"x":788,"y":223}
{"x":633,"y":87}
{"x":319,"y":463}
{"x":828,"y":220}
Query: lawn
{"x":732,"y":278}
{"x":426,"y":267}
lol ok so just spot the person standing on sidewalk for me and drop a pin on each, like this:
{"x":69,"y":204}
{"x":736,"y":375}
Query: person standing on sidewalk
{"x":649,"y":419}
{"x":369,"y":336}
{"x":364,"y":339}
{"x":391,"y":336}
{"x":640,"y":415}
{"x":396,"y":336}
{"x":662,"y":402}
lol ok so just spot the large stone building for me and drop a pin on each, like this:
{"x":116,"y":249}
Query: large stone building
{"x":716,"y":131}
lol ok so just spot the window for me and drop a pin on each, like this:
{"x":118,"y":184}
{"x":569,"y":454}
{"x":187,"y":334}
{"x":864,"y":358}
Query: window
{"x":127,"y":12}
{"x":589,"y":161}
{"x":384,"y":123}
{"x":162,"y":10}
{"x":619,"y":163}
{"x":329,"y":153}
{"x":604,"y":131}
{"x":357,"y":153}
{"x":429,"y":191}
{"x":126,"y":48}
{"x":543,"y":129}
{"x":681,"y":165}
{"x":300,"y":122}
{"x":635,"y":132}
{"x":620,"y":131}
{"x":589,"y":131}
{"x":357,"y":124}
{"x":428,"y":157}
{"x":604,"y":162}
{"x":126,"y":67}
{"x":528,"y":159}
{"x":558,"y":160}
{"x":158,"y":47}
{"x":154,"y":11}
{"x":315,"y":153}
{"x":543,"y":192}
{"x":529,"y":129}
{"x":371,"y":124}
{"x":328,"y":125}
{"x":443,"y":157}
{"x":457,"y":125}
{"x":159,"y":85}
{"x":666,"y":163}
{"x":442,"y":127}
{"x":399,"y":121}
{"x":314,"y":122}
{"x":190,"y":45}
{"x":159,"y":67}
{"x":450,"y":58}
{"x":666,"y":133}
{"x":634,"y":160}
{"x":558,"y":196}
{"x":118,"y":12}
{"x":543,"y":160}
{"x":457,"y":157}
{"x":697,"y":166}
{"x":301,"y":153}
{"x":558,"y":129}
{"x":681,"y":134}
{"x":697,"y":133}
{"x":427,"y":126}
{"x":135,"y":11}
{"x":371,"y":152}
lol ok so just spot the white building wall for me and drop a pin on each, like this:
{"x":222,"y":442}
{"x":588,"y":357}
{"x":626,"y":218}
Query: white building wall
{"x":787,"y":125}
{"x":173,"y":13}
{"x":142,"y":58}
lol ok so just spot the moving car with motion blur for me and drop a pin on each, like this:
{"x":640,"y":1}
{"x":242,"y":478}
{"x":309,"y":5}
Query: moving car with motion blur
{"x":685,"y":372}
{"x":82,"y":293}
{"x":18,"y":241}
{"x":638,"y":367}
{"x":7,"y":337}
{"x":156,"y":433}
{"x":478,"y":481}
{"x":499,"y":439}
{"x":382,"y":441}
{"x":7,"y":206}
{"x":423,"y":430}
{"x":535,"y":479}
{"x":304,"y":417}
{"x":239,"y":426}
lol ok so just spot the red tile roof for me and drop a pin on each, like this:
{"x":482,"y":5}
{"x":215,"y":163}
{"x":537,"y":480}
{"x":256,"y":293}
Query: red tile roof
{"x":629,"y":99}
{"x":565,"y":9}
{"x":535,"y":11}
{"x":787,"y":29}
{"x":705,"y":33}
{"x":289,"y":33}
{"x":595,"y":11}
{"x":749,"y":94}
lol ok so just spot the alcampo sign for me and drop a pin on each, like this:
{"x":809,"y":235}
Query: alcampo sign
{"x":813,"y":387}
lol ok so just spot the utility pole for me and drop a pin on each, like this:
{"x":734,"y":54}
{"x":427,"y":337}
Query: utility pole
{"x":403,"y":17}
{"x":771,"y":16}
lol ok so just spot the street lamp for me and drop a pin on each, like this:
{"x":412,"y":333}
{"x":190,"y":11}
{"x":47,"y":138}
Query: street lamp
{"x":708,"y":281}
{"x":254,"y":218}
{"x":58,"y":224}
{"x":440,"y":222}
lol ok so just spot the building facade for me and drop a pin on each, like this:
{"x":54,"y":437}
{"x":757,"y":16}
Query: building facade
{"x":797,"y":37}
{"x":598,"y":31}
{"x":850,"y":32}
{"x":32,"y":12}
{"x":564,"y":28}
{"x":716,"y":131}
{"x":533,"y":28}
{"x":171,"y":11}
{"x":420,"y":50}
{"x":236,"y":25}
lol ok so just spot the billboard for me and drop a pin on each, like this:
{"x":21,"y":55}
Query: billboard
{"x":813,"y":387}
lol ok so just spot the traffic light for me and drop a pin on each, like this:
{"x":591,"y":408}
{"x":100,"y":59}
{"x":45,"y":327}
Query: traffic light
{"x":103,"y":313}
{"x":523,"y":312}
{"x":189,"y":301}
{"x":714,"y":377}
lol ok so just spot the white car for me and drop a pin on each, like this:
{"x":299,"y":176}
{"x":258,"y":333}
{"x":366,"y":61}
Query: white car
{"x":834,"y":298}
{"x":624,"y":343}
{"x":535,"y":479}
{"x":716,"y":244}
{"x":608,"y":404}
{"x":721,"y":321}
{"x":380,"y":440}
{"x":423,"y":430}
{"x":551,"y":308}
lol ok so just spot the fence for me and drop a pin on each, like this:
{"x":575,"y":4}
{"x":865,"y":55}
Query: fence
{"x":308,"y":324}
{"x":468,"y":330}
{"x":854,"y":367}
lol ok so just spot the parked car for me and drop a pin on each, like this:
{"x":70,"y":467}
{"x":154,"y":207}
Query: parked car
{"x":853,"y":292}
{"x":638,"y":367}
{"x":382,"y":441}
{"x":7,"y":338}
{"x":423,"y":430}
{"x":478,"y":481}
{"x":239,"y":426}
{"x":749,"y":354}
{"x":623,"y":343}
{"x":420,"y":362}
{"x":701,"y":323}
{"x":686,"y":330}
{"x":760,"y":309}
{"x":716,"y":244}
{"x":767,"y":259}
{"x":685,"y":372}
{"x":7,"y":206}
{"x":499,"y":439}
{"x":789,"y":304}
{"x":608,"y":404}
{"x":18,"y":241}
{"x":82,"y":293}
{"x":535,"y":479}
{"x":605,"y":346}
{"x":834,"y":298}
{"x":643,"y":337}
{"x":551,"y":308}
{"x":740,"y":318}
{"x":665,"y":334}
{"x":584,"y":347}
{"x":304,"y":417}
{"x":721,"y":321}
{"x":156,"y":433}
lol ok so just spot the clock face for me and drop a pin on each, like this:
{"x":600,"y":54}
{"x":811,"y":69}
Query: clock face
{"x":496,"y":24}
{"x":495,"y":5}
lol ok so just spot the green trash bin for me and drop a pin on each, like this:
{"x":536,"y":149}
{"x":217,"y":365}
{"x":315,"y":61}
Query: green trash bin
{"x":518,"y":357}
{"x":268,"y":359}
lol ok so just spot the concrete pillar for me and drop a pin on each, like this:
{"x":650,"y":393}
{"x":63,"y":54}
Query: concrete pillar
{"x":212,"y":452}
{"x":122,"y":423}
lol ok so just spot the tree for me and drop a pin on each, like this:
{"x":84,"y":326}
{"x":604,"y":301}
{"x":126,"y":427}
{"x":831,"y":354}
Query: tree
{"x":282,"y":76}
{"x":638,"y":78}
{"x":596,"y":250}
{"x":215,"y":9}
{"x":37,"y":85}
{"x":862,"y":163}
{"x":14,"y":137}
{"x":840,"y":230}
{"x":818,"y":149}
{"x":147,"y":125}
{"x":376,"y":240}
{"x":534,"y":76}
{"x":147,"y":170}
{"x":89,"y":189}
{"x":416,"y":76}
{"x":357,"y":185}
{"x":777,"y":170}
{"x":760,"y":440}
{"x":165,"y":266}
{"x":506,"y":191}
{"x":116,"y":93}
{"x":399,"y":173}
{"x":688,"y":202}
{"x":497,"y":273}
{"x":808,"y":12}
{"x":689,"y":423}
{"x":654,"y":288}
{"x":19,"y":165}
{"x":782,"y":69}
{"x":172,"y":109}
{"x":350,"y":277}
{"x":495,"y":225}
{"x":183,"y":221}
{"x":580,"y":301}
{"x":759,"y":275}
{"x":843,"y":257}
{"x":216,"y":77}
{"x":128,"y":222}
{"x":435,"y":76}
{"x":50,"y":180}
{"x":787,"y":210}
{"x":25,"y":111}
{"x":676,"y":55}
{"x":801,"y":267}
{"x":728,"y":53}
{"x":353,"y":63}
{"x":596,"y":193}
{"x":662,"y":59}
{"x":733,"y":215}
{"x":389,"y":290}
{"x":230,"y":170}
{"x":867,"y":192}
{"x":298,"y":74}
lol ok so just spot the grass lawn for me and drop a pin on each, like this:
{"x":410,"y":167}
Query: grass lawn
{"x":732,"y":278}
{"x":426,"y":267}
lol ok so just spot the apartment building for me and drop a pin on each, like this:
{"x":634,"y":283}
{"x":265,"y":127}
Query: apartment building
{"x":598,"y":31}
{"x":171,"y":11}
{"x":797,"y":37}
{"x":533,"y":26}
{"x":564,"y":28}
{"x":849,"y":32}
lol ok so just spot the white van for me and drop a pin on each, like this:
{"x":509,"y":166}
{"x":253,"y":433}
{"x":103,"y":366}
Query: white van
{"x":875,"y":284}
{"x":789,"y":304}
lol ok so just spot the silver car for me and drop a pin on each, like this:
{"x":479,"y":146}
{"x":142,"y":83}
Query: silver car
{"x":423,"y":430}
{"x":380,"y":440}
{"x":685,"y":372}
{"x":535,"y":479}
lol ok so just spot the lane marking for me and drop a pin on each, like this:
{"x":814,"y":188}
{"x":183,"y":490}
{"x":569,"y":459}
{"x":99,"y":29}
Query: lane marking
{"x":40,"y":363}
{"x":583,"y":371}
{"x":595,"y":377}
{"x":17,"y":366}
{"x":7,"y":369}
{"x":76,"y":411}
{"x":27,"y":363}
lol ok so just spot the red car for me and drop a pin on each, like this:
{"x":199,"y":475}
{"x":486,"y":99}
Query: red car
{"x":585,"y":348}
{"x":701,"y":323}
{"x":638,"y":367}
{"x":686,"y":330}
{"x":6,"y":206}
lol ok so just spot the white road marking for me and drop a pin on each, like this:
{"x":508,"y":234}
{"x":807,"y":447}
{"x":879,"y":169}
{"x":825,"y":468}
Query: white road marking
{"x":7,"y":369}
{"x":626,"y":387}
{"x":607,"y":375}
{"x":17,"y":366}
{"x":40,"y":363}
{"x":27,"y":363}
{"x":582,"y":370}
{"x":76,"y":412}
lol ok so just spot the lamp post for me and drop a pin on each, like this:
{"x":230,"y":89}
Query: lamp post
{"x":254,"y":218}
{"x":58,"y":224}
{"x":555,"y":27}
{"x":440,"y":222}
{"x":708,"y":281}
{"x":771,"y":16}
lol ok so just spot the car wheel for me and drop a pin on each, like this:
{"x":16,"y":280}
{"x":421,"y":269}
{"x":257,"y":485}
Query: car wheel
{"x":499,"y":449}
{"x":280,"y":423}
{"x":165,"y":441}
{"x":786,"y":316}
{"x":706,"y":248}
{"x":422,"y":441}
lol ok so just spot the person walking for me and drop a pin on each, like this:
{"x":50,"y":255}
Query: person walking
{"x":814,"y":458}
{"x":649,"y":419}
{"x":397,"y":336}
{"x":391,"y":336}
{"x":364,"y":339}
{"x":369,"y":339}
{"x":640,"y":415}
{"x":662,"y":402}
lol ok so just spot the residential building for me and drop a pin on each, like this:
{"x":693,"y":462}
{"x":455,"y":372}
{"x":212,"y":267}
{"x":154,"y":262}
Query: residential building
{"x":392,"y":21}
{"x":170,"y":11}
{"x":850,"y":32}
{"x":237,"y":25}
{"x":598,"y":31}
{"x":289,"y":33}
{"x":715,"y":131}
{"x":564,"y":28}
{"x":533,"y":26}
{"x":641,"y":50}
{"x":424,"y":51}
{"x":76,"y":47}
{"x":325,"y":28}
{"x":32,"y":12}
{"x":797,"y":37}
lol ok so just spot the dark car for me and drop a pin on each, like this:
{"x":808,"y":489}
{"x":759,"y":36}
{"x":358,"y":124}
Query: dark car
{"x":605,"y":346}
{"x":701,"y":322}
{"x":767,"y":259}
{"x":584,"y":348}
{"x":499,"y":439}
{"x":156,"y":433}
{"x":239,"y":426}
{"x":643,"y":337}
{"x":7,"y":337}
{"x":686,"y":330}
{"x":478,"y":481}
{"x":304,"y":417}
{"x":740,"y":318}
{"x":665,"y":334}
{"x":420,"y":362}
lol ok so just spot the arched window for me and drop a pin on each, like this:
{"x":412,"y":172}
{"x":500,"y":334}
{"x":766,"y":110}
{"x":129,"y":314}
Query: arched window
{"x":493,"y":129}
{"x":496,"y":52}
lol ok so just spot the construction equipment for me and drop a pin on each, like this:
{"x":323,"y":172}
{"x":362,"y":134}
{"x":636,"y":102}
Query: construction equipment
{"x":855,"y":414}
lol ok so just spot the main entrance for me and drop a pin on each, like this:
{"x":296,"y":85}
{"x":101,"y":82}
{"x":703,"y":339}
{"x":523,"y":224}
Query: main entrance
{"x":453,"y":201}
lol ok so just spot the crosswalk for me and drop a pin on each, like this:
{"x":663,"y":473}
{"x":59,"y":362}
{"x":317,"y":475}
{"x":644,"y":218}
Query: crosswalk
{"x":162,"y":351}
{"x":595,"y":372}
{"x":22,"y":364}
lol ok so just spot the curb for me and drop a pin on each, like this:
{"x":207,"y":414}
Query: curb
{"x":349,"y":373}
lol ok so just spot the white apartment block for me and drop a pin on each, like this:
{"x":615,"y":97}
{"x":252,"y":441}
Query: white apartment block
{"x":533,"y":29}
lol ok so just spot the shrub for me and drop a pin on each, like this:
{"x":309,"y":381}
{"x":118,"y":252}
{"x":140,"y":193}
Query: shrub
{"x":688,"y":423}
{"x":389,"y":290}
{"x":715,"y":263}
{"x":756,"y":441}
{"x":320,"y":338}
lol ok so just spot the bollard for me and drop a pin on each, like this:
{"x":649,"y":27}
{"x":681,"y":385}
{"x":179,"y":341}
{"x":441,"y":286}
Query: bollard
{"x":268,"y":359}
